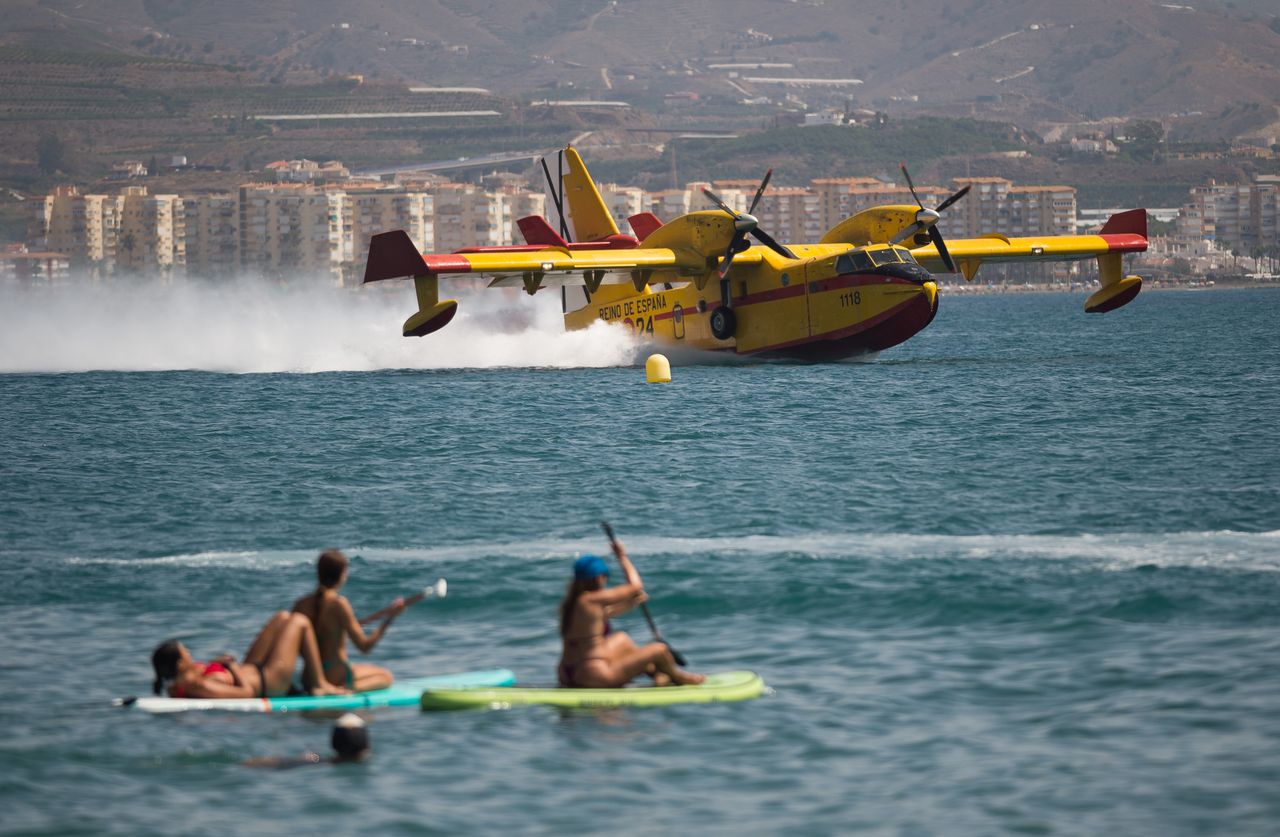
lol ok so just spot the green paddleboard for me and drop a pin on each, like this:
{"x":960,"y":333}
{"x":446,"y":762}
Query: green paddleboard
{"x":722,"y":687}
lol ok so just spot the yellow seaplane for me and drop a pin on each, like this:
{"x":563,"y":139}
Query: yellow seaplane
{"x":699,"y":281}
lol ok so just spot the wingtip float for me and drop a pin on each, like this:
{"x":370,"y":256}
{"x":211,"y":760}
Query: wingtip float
{"x":866,"y":285}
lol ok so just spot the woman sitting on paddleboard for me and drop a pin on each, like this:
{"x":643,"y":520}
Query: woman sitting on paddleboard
{"x":595,"y":655}
{"x":267,"y":670}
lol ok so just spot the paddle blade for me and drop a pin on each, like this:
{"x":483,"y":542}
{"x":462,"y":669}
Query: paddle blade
{"x":442,"y":588}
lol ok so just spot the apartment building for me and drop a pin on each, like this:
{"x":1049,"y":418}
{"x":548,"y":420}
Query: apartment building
{"x":213,"y":234}
{"x":293,"y":231}
{"x":467,"y":216}
{"x":151,"y":237}
{"x":842,"y":197}
{"x":369,"y":210}
{"x":522,"y":203}
{"x":132,"y":231}
{"x":1234,"y":215}
{"x":623,"y":202}
{"x":791,"y":214}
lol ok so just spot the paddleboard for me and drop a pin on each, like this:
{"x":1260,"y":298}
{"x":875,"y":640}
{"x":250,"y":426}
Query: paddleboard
{"x":725,"y":686}
{"x":402,"y":693}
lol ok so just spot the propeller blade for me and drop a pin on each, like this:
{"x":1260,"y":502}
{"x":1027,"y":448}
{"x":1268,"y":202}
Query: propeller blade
{"x":727,"y":261}
{"x":942,"y":249}
{"x":714,"y":198}
{"x":764,"y":184}
{"x":770,"y":242}
{"x":957,"y":196}
{"x":910,"y":185}
{"x":907,"y":231}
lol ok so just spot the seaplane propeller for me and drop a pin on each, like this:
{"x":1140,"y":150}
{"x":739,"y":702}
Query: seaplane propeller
{"x":927,"y":219}
{"x":745,"y":224}
{"x":723,"y":321}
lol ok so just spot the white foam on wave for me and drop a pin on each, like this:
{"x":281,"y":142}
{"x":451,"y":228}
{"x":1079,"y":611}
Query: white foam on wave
{"x":259,"y":326}
{"x":1252,"y":551}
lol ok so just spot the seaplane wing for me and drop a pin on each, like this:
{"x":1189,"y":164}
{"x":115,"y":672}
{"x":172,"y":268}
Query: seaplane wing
{"x":1124,"y":232}
{"x":393,"y":255}
{"x":689,"y":249}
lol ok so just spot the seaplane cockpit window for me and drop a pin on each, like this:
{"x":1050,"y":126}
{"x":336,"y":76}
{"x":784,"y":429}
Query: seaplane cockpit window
{"x":885,"y":255}
{"x":905,"y":255}
{"x":852,"y":262}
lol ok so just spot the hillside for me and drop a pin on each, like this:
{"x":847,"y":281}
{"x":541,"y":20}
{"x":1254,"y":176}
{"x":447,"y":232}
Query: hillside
{"x":1032,"y":60}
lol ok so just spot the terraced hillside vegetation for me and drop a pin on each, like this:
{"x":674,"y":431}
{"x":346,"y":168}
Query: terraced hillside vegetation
{"x":1015,"y":60}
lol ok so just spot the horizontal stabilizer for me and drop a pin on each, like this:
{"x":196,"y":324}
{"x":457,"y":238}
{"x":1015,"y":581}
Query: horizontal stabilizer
{"x":536,"y":230}
{"x":644,"y":224}
{"x":392,"y":255}
{"x":1132,"y":222}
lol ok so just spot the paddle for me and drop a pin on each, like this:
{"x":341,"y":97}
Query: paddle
{"x":644,"y":608}
{"x":439,"y":590}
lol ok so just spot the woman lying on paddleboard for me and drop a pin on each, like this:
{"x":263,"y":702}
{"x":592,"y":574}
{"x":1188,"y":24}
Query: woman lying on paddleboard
{"x":595,"y":655}
{"x":267,"y":670}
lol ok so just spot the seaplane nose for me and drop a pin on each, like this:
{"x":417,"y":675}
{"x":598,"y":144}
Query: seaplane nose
{"x":927,"y":217}
{"x":745,"y":223}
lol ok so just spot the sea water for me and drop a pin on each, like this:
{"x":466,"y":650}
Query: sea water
{"x":1020,"y":574}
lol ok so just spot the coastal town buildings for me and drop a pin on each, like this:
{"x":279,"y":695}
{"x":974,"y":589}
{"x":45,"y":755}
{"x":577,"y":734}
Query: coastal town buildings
{"x":320,"y":232}
{"x":19,"y":265}
{"x":1239,"y":216}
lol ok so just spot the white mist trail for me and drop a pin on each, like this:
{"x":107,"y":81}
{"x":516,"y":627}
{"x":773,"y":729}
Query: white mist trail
{"x":1113,"y":552}
{"x":258,"y":326}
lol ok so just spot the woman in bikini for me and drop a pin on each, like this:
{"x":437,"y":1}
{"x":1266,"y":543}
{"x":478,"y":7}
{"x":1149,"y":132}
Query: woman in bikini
{"x":595,"y":655}
{"x":334,"y":621}
{"x":267,"y":670}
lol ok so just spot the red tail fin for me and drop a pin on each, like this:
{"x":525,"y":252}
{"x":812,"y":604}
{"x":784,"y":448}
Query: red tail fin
{"x":644,"y":224}
{"x":536,"y":230}
{"x":391,"y":256}
{"x":1133,"y":222}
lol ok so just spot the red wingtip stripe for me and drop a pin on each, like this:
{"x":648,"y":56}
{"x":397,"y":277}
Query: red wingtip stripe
{"x":1125,"y":242}
{"x":448,"y":263}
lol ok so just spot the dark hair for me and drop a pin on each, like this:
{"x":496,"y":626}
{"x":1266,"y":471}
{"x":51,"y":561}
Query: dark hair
{"x":577,"y":587}
{"x":350,"y":742}
{"x":165,"y":661}
{"x":330,"y":567}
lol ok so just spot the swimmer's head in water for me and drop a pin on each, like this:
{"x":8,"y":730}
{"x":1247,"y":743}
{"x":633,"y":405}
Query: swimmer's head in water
{"x":331,"y":567}
{"x":165,"y":661}
{"x":350,"y":737}
{"x":588,"y":567}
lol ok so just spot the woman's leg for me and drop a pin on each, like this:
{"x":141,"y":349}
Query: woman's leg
{"x":619,"y":645}
{"x":369,"y":677}
{"x":598,"y":673}
{"x":266,"y":637}
{"x":657,"y":656}
{"x":296,"y":638}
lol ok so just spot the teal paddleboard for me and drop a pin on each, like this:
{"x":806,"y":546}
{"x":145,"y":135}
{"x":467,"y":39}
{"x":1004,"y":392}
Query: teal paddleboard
{"x":723,"y":687}
{"x":402,"y":693}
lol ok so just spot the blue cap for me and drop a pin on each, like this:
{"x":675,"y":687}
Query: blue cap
{"x":588,"y":567}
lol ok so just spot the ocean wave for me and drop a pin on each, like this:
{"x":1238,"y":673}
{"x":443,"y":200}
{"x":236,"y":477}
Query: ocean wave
{"x":1254,"y":551}
{"x":254,"y":327}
